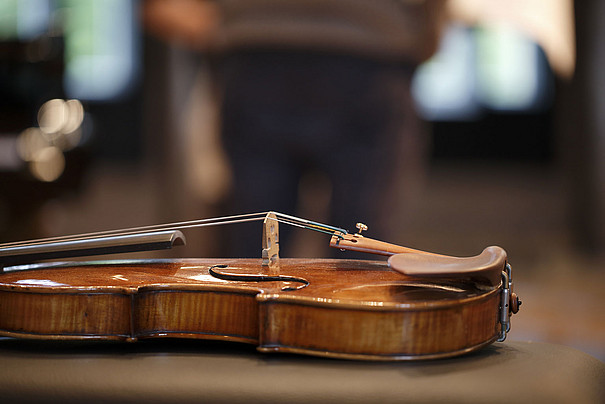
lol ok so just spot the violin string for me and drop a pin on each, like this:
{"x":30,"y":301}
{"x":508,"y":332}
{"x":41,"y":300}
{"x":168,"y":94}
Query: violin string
{"x":309,"y":225}
{"x":280,"y":218}
{"x":142,"y":229}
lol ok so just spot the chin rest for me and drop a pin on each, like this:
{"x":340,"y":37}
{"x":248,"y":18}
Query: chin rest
{"x":486,"y":266}
{"x":187,"y":371}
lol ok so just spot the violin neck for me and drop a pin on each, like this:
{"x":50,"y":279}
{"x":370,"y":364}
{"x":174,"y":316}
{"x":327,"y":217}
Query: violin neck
{"x":25,"y":253}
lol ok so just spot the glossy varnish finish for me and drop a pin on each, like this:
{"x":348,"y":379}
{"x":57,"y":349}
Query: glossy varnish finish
{"x":341,"y":308}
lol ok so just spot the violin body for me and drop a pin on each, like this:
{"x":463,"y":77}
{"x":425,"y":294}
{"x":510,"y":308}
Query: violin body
{"x":353,"y":309}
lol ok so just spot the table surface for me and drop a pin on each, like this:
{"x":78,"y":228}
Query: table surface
{"x":191,"y":371}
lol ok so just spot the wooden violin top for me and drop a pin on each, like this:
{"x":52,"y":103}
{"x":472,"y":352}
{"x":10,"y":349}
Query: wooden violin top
{"x":370,"y":283}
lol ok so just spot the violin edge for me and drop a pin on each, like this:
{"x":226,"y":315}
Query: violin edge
{"x":372,"y":357}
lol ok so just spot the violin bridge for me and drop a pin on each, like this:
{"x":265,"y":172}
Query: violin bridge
{"x":270,"y":252}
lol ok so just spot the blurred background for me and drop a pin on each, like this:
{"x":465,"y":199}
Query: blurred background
{"x":109,"y":118}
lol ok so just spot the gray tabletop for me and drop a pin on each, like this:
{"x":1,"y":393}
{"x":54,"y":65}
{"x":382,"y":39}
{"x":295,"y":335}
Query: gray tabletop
{"x":205,"y":371}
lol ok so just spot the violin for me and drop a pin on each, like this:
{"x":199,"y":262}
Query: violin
{"x":415,"y":305}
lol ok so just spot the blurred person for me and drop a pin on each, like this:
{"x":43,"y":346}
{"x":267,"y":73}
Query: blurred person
{"x":315,"y":95}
